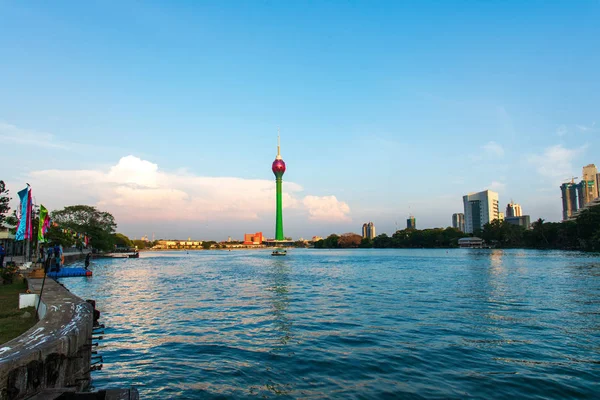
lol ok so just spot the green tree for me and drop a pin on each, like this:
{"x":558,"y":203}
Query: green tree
{"x":99,"y":226}
{"x":366,"y":243}
{"x":382,"y":241}
{"x":142,"y":244}
{"x":56,"y":235}
{"x":331,"y":241}
{"x":4,"y":201}
{"x":122,"y":241}
{"x":588,"y":228}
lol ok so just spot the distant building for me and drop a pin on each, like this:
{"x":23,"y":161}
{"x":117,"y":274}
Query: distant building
{"x":411,"y":223}
{"x":590,"y":176}
{"x":522,"y":220}
{"x":513,"y":210}
{"x":253,"y":238}
{"x":593,"y":203}
{"x":178,"y":244}
{"x":470,"y":242}
{"x":500,"y":216}
{"x":582,"y":195}
{"x":480,"y":208}
{"x":368,"y":230}
{"x":458,"y":221}
{"x":569,"y":199}
{"x":587,"y":190}
{"x":316,"y":238}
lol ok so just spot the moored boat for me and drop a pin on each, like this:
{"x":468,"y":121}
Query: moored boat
{"x":279,"y":252}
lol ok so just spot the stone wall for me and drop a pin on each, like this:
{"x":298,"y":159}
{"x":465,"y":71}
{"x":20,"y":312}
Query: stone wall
{"x":55,"y":353}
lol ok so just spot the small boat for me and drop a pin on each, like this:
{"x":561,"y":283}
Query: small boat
{"x":279,"y":252}
{"x":134,"y":255}
{"x":119,"y":255}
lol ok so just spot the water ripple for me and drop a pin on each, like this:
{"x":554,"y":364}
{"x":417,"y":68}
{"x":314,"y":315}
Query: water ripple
{"x":350,"y":324}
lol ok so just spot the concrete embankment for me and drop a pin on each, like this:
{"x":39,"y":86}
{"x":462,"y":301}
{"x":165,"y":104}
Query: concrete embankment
{"x":56,"y":352}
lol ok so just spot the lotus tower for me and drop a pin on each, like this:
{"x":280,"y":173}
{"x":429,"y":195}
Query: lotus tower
{"x":279,"y":169}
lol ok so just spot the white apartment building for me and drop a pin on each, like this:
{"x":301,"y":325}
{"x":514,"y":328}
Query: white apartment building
{"x":480,"y":208}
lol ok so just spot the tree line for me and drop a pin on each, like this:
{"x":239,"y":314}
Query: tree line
{"x":406,"y":238}
{"x":580,"y":234}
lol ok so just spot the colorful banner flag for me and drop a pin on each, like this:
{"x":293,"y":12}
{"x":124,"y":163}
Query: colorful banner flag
{"x":24,"y":228}
{"x":44,"y":224}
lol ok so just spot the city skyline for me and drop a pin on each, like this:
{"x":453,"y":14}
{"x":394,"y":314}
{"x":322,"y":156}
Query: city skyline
{"x":168,"y":122}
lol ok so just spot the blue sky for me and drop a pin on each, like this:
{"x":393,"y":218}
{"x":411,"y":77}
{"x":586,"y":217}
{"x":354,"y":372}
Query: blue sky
{"x":385,"y":109}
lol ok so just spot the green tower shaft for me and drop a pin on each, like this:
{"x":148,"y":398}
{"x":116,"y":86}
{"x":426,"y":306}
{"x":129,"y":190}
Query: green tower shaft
{"x":279,"y":218}
{"x":279,"y":169}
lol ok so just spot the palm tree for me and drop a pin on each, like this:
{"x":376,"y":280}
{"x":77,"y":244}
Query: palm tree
{"x":538,"y":227}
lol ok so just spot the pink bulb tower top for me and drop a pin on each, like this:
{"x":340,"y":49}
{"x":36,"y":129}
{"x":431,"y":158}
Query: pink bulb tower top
{"x":278,"y":165}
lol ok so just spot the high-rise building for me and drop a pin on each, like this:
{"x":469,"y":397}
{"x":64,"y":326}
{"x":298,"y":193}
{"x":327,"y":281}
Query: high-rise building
{"x":589,"y":174}
{"x":480,"y":208}
{"x":458,"y":221}
{"x":411,"y":222}
{"x":587,"y":189}
{"x":569,"y":199}
{"x":368,"y":230}
{"x":500,"y":216}
{"x":522,"y":220}
{"x":586,"y":192}
{"x":513,"y":210}
{"x":278,"y":169}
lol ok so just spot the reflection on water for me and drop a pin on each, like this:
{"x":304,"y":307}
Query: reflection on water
{"x":278,"y":286}
{"x":357,"y":323}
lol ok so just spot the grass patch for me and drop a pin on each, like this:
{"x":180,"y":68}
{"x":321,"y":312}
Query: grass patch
{"x":12,"y":323}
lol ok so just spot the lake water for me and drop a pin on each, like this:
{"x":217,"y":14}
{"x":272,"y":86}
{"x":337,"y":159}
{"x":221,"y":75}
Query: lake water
{"x":349,"y":324}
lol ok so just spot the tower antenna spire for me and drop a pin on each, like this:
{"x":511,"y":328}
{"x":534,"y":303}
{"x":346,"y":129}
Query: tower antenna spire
{"x":278,"y":145}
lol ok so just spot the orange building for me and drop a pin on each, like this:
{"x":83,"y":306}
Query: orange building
{"x":253,"y":238}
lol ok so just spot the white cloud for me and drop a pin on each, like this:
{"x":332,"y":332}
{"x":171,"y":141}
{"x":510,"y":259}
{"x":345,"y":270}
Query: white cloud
{"x":12,"y":134}
{"x":136,"y":189}
{"x":497,"y":186}
{"x":326,"y":208}
{"x":493,"y":149}
{"x":555,"y":162}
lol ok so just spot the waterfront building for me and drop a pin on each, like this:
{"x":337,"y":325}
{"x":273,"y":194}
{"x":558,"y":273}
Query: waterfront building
{"x":316,"y":238}
{"x":411,"y":223}
{"x":278,"y":169}
{"x":178,"y":244}
{"x":522,"y":220}
{"x":513,"y":210}
{"x":458,"y":221}
{"x":480,"y":208}
{"x":253,"y":238}
{"x":569,"y":199}
{"x":471,"y":243}
{"x":368,"y":230}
